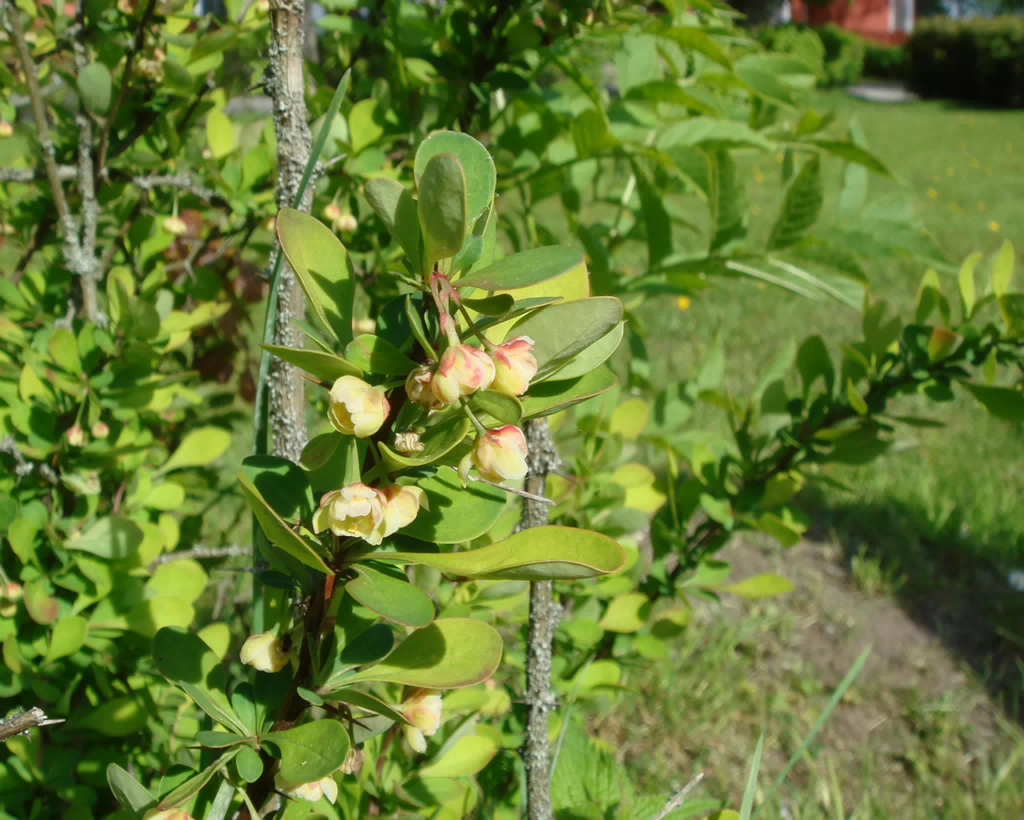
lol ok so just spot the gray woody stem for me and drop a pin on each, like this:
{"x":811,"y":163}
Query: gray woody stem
{"x":285,"y":84}
{"x":545,"y":613}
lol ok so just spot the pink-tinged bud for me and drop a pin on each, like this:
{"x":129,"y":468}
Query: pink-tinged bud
{"x":6,"y":130}
{"x":461,"y":372}
{"x":423,"y":711}
{"x":514,"y":366}
{"x":312,"y":792}
{"x":75,"y":435}
{"x":418,"y":389}
{"x":402,"y":506}
{"x":332,"y":212}
{"x":12,"y":593}
{"x":345,"y":223}
{"x":355,"y":510}
{"x":357,"y":408}
{"x":175,"y":226}
{"x":167,"y":814}
{"x":265,"y":652}
{"x":499,"y":455}
{"x":100,"y":430}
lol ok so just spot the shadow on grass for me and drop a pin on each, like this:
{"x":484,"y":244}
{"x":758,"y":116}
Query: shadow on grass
{"x":943,"y":581}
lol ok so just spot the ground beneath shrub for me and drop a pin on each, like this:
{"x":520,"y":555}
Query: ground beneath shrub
{"x":920,"y":734}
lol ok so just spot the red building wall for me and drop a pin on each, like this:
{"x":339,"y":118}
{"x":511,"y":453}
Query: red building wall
{"x":869,"y":18}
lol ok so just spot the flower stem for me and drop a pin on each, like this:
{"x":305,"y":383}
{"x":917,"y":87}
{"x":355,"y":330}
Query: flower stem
{"x":480,"y":429}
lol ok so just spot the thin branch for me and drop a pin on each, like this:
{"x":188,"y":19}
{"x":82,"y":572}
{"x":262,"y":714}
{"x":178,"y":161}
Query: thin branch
{"x":129,"y":63}
{"x":181,"y":182}
{"x":234,"y":551}
{"x":677,"y":800}
{"x":545,"y":614}
{"x":86,"y":183}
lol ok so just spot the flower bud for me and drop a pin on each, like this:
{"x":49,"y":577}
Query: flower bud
{"x":408,"y":443}
{"x":11,"y":594}
{"x":13,"y":591}
{"x":346,"y":223}
{"x":167,"y":814}
{"x":6,"y":130}
{"x":75,"y":435}
{"x":313,"y":792}
{"x":357,"y":408}
{"x":461,"y":372}
{"x":100,"y":430}
{"x":355,"y":510}
{"x":418,"y":388}
{"x":265,"y":652}
{"x":498,"y":455}
{"x":402,"y":506}
{"x":175,"y":225}
{"x":353,"y":763}
{"x":514,"y":366}
{"x":423,"y":711}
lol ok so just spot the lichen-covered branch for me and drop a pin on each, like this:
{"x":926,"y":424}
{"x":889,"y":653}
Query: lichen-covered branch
{"x":285,"y":83}
{"x":545,"y":613}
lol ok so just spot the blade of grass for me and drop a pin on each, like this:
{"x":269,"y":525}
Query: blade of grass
{"x":747,"y":807}
{"x":837,"y":696}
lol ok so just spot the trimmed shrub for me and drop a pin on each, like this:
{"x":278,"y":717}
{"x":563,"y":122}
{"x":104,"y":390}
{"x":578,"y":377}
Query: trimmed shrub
{"x":979,"y":61}
{"x":884,"y":62}
{"x":838,"y":55}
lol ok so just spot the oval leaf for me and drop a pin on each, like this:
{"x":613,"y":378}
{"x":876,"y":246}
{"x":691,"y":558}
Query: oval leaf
{"x":198,"y":449}
{"x":456,"y":513}
{"x":524,"y":269}
{"x":392,"y":598}
{"x":768,"y":585}
{"x":551,"y":396}
{"x":324,"y":366}
{"x":477,"y":165}
{"x":442,"y":208}
{"x":277,"y":530}
{"x":538,"y":554}
{"x":311,"y":751}
{"x":449,"y":654}
{"x":377,"y":355}
{"x":467,"y":757}
{"x":95,"y":85}
{"x":68,"y":637}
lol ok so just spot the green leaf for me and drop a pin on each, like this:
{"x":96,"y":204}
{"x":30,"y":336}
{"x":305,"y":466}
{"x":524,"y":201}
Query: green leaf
{"x":775,"y":77}
{"x":437,"y":442}
{"x":128,"y":791}
{"x":324,"y":366}
{"x":282,"y":484}
{"x":565,"y":329}
{"x":323,"y":268}
{"x":375,"y":354}
{"x":198,"y":449}
{"x":219,"y":740}
{"x":367,"y":647}
{"x":112,"y":538}
{"x":590,"y":134}
{"x":627,"y":613}
{"x":657,"y":224}
{"x":552,"y":396}
{"x":118,"y":717}
{"x":451,"y":653}
{"x":532,"y":555}
{"x":277,"y":530}
{"x":184,"y":580}
{"x":966,"y":281}
{"x":220,"y":133}
{"x":726,"y":201}
{"x":456,"y":513}
{"x":524,"y":269}
{"x":693,"y":39}
{"x":368,"y":703}
{"x":364,"y":125}
{"x":67,"y":638}
{"x":492,"y":305}
{"x":1005,"y":403}
{"x":467,"y":757}
{"x":185,"y":660}
{"x":592,"y":357}
{"x":750,"y":792}
{"x":477,"y":165}
{"x":814,"y":362}
{"x":800,"y":209}
{"x":393,"y":598}
{"x":249,"y":765}
{"x":442,"y":209}
{"x":856,"y":399}
{"x":191,"y":787}
{"x":760,"y":586}
{"x":1002,"y":270}
{"x":630,"y":419}
{"x":63,"y":347}
{"x":507,"y":409}
{"x":851,"y":152}
{"x":311,"y":751}
{"x":695,"y":131}
{"x":96,"y":87}
{"x":319,"y":450}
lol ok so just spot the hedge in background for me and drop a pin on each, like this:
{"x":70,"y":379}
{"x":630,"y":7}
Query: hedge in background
{"x":883,"y":62}
{"x":979,"y":61}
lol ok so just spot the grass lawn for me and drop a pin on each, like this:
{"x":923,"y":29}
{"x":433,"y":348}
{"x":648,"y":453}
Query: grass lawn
{"x":912,"y":561}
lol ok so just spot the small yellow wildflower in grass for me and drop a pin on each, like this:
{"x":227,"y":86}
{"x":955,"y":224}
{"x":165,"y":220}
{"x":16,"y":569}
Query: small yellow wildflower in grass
{"x":683,"y":303}
{"x":975,"y":164}
{"x":933,"y":194}
{"x":758,"y":176}
{"x":951,"y":172}
{"x":993,"y":226}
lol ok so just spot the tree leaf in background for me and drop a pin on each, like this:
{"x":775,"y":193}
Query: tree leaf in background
{"x":198,"y":449}
{"x":96,"y":87}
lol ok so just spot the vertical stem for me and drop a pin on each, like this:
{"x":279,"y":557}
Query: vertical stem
{"x":285,"y":83}
{"x":545,"y":613}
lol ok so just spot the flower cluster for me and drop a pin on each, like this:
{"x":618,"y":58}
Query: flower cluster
{"x":367,"y":512}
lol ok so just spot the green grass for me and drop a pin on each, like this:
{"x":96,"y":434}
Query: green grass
{"x":960,"y":483}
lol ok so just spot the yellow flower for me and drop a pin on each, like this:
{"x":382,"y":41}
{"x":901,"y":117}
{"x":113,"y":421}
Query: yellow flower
{"x":498,"y":455}
{"x":423,"y":711}
{"x":357,"y":408}
{"x":332,"y":212}
{"x":461,"y":372}
{"x":951,"y":172}
{"x":933,"y":194}
{"x":418,"y":388}
{"x":265,"y":652}
{"x":683,"y":303}
{"x":993,"y":226}
{"x":355,"y":510}
{"x":514,"y":366}
{"x":402,"y":506}
{"x":312,"y":792}
{"x":975,"y":164}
